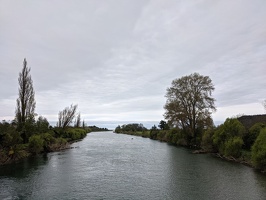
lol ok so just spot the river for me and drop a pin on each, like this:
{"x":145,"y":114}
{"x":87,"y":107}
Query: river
{"x":105,"y":165}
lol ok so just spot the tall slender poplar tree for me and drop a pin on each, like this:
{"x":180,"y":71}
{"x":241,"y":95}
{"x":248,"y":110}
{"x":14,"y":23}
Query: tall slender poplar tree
{"x":26,"y":101}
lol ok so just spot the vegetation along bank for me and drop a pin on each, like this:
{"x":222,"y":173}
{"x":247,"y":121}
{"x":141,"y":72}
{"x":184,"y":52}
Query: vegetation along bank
{"x":27,"y":135}
{"x":188,"y":110}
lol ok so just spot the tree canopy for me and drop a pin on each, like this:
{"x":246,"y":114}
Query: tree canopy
{"x":189,"y":103}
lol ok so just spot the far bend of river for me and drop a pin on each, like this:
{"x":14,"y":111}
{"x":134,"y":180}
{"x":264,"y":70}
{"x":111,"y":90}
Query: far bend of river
{"x":110,"y":166}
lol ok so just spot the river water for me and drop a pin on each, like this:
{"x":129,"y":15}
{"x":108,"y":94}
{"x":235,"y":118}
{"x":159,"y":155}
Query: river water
{"x":105,"y":165}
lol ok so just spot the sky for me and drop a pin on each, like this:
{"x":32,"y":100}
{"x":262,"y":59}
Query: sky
{"x":116,"y":58}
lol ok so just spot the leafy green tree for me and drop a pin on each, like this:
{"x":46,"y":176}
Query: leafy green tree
{"x":258,"y":151}
{"x":228,"y":136}
{"x":163,"y":125}
{"x":189,"y":103}
{"x":25,"y":102}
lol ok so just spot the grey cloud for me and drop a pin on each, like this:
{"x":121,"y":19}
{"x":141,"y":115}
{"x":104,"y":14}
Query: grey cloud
{"x":116,"y":58}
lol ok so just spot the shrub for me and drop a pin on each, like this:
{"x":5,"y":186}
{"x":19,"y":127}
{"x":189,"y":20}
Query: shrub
{"x":233,"y":147}
{"x":258,"y":151}
{"x":223,"y":138}
{"x":75,"y":133}
{"x":48,"y":139}
{"x":207,"y":142}
{"x":36,"y":144}
{"x":154,"y":132}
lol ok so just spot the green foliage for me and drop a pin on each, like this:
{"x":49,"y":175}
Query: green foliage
{"x":42,"y":125}
{"x":130,"y":128}
{"x":95,"y":129}
{"x":11,"y":138}
{"x":48,"y":139}
{"x":163,"y":125}
{"x":189,"y":104}
{"x":259,"y":151}
{"x":233,"y":147}
{"x":162,"y":135}
{"x":118,"y":129}
{"x":224,"y":138}
{"x":153,"y":132}
{"x":61,"y":141}
{"x":75,"y":133}
{"x":252,"y":134}
{"x":36,"y":143}
{"x":207,"y":142}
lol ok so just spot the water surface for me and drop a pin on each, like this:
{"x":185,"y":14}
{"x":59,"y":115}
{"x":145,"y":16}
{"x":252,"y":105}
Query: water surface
{"x":105,"y":165}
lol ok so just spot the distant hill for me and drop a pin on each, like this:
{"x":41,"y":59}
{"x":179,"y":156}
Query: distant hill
{"x":249,"y":120}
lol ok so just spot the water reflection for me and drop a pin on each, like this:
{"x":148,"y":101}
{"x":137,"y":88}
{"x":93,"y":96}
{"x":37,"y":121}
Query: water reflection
{"x":23,"y":168}
{"x":207,"y":177}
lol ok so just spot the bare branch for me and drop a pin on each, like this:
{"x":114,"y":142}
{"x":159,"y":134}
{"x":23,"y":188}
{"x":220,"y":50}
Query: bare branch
{"x":66,"y":116}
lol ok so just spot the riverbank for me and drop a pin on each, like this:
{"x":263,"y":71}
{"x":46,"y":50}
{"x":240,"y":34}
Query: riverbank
{"x":164,"y":136}
{"x":55,"y":140}
{"x":113,"y":166}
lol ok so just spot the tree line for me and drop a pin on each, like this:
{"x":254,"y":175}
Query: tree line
{"x":188,"y":122}
{"x":26,"y":135}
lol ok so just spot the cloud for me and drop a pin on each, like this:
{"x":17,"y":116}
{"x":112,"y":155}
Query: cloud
{"x":116,"y":58}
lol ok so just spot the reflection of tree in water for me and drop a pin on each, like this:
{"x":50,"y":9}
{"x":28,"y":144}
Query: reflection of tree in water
{"x":23,"y":168}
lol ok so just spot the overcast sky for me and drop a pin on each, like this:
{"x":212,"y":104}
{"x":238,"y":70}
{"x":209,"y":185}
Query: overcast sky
{"x":115,"y":58}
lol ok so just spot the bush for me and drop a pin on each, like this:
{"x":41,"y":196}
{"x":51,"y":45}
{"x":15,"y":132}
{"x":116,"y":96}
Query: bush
{"x":48,"y":139}
{"x":154,"y":132}
{"x":75,"y":133}
{"x":207,"y":142}
{"x":162,"y":135}
{"x":36,"y":144}
{"x":258,"y":151}
{"x":224,"y":138}
{"x":233,"y":147}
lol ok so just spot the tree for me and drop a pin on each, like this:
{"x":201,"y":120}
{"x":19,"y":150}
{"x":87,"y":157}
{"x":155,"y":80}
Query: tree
{"x":163,"y":125}
{"x":78,"y":121}
{"x":66,"y":116}
{"x":83,"y":124}
{"x":189,"y":103}
{"x":26,"y":101}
